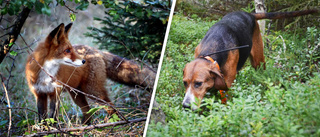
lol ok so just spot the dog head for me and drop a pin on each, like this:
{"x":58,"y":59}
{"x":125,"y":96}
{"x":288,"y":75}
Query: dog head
{"x":199,"y":76}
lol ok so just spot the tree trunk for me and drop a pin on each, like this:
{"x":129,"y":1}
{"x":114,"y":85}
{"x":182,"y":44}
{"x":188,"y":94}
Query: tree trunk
{"x":260,"y":8}
{"x":14,"y":33}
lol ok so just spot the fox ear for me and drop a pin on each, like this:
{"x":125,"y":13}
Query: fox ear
{"x":56,"y":34}
{"x":219,"y":82}
{"x":67,"y":29}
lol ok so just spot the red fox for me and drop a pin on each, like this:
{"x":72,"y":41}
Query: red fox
{"x":81,"y":67}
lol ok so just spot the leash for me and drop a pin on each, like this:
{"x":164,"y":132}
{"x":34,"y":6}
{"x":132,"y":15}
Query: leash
{"x":245,"y":46}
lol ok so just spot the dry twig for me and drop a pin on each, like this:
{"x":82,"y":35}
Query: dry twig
{"x":8,"y":100}
{"x":63,"y":130}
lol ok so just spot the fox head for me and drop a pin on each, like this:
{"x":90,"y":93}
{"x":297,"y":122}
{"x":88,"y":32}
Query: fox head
{"x":59,"y":48}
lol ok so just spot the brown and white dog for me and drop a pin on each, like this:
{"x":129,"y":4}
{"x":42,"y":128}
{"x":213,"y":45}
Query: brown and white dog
{"x":219,"y":70}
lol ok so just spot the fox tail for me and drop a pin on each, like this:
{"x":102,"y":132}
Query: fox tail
{"x":120,"y":69}
{"x":128,"y":72}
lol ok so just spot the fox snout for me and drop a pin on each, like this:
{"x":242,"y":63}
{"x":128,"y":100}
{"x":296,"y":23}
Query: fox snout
{"x":75,"y":63}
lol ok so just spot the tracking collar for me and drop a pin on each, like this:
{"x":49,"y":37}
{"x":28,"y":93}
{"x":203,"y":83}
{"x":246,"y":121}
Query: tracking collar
{"x":213,"y":61}
{"x":223,"y":93}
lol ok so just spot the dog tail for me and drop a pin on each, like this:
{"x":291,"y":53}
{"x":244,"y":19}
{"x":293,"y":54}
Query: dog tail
{"x":280,"y":15}
{"x":128,"y":72}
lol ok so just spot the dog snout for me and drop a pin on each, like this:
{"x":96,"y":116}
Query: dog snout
{"x":186,"y":105}
{"x":188,"y":99}
{"x":83,"y":61}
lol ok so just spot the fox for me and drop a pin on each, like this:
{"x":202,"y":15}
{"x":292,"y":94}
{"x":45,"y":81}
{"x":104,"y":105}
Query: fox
{"x":81,"y":67}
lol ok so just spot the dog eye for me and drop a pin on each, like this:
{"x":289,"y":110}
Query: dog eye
{"x":67,"y":51}
{"x":185,"y":83}
{"x":197,"y":84}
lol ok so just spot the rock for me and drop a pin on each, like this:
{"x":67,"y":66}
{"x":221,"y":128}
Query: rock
{"x":157,"y":115}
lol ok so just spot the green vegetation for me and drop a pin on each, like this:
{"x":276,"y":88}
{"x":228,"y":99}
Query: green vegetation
{"x":282,"y":100}
{"x":132,"y":29}
{"x":215,"y":9}
{"x":132,"y":102}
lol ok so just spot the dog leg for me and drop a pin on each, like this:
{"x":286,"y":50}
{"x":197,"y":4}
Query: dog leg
{"x":256,"y":53}
{"x":230,"y":68}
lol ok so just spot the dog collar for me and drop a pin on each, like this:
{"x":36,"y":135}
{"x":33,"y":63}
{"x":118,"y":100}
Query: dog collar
{"x":214,"y":62}
{"x":223,"y":93}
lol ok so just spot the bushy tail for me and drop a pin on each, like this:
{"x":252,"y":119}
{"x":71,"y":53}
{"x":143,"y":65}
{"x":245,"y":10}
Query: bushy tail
{"x":128,"y":72}
{"x":280,"y":15}
{"x":120,"y":69}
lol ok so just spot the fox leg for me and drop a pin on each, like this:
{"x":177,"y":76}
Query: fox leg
{"x":54,"y":106}
{"x":42,"y":105}
{"x":102,"y":93}
{"x":106,"y":98}
{"x":81,"y":101}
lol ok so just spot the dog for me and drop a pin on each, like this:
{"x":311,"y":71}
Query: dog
{"x":81,"y":67}
{"x":218,"y":71}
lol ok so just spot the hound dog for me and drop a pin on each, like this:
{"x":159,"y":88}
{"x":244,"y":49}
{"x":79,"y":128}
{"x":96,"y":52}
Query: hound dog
{"x":219,"y":70}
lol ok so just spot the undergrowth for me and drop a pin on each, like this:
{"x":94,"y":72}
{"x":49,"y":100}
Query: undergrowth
{"x":133,"y":103}
{"x":282,"y":100}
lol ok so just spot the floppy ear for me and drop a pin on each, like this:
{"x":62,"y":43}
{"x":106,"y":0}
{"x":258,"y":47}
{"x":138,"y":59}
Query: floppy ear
{"x":56,"y":35}
{"x":183,"y":72}
{"x":219,"y":82}
{"x":67,"y":29}
{"x":184,"y":69}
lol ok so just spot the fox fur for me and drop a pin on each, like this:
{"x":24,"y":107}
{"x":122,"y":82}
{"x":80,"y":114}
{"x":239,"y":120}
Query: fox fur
{"x":81,"y":67}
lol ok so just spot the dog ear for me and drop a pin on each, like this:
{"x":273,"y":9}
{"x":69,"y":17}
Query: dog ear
{"x":219,"y":82}
{"x":184,"y":70}
{"x":67,"y":29}
{"x":56,"y":35}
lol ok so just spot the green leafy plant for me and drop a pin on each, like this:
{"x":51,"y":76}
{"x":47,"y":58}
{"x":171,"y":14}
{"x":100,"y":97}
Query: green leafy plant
{"x":281,"y":100}
{"x":24,"y":120}
{"x":41,"y":6}
{"x":250,"y":8}
{"x":133,"y":29}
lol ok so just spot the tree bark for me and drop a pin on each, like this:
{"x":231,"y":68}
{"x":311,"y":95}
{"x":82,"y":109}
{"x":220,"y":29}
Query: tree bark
{"x":260,"y":8}
{"x":14,"y":33}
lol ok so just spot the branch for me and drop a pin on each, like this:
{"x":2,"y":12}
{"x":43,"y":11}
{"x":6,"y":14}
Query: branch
{"x":63,"y":130}
{"x":65,"y":5}
{"x":8,"y":100}
{"x":13,"y":34}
